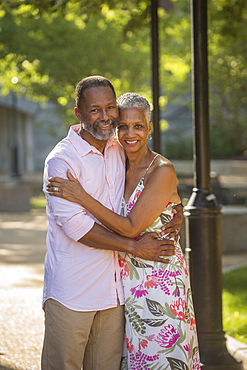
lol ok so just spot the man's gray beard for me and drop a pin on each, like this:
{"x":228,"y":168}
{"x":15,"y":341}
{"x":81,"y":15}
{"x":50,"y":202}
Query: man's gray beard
{"x":92,"y":129}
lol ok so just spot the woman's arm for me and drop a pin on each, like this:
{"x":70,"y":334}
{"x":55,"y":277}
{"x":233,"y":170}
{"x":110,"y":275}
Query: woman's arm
{"x":152,"y":201}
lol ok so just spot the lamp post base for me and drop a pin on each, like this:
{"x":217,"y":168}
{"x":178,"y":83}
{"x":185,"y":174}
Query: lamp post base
{"x":214,"y":354}
{"x":203,"y":240}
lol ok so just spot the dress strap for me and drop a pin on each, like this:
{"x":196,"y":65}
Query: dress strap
{"x":150,"y":164}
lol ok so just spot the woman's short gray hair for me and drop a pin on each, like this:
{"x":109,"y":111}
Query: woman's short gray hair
{"x":134,"y":100}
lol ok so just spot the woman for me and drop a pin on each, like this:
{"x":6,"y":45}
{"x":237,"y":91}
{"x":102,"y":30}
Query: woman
{"x":160,"y":321}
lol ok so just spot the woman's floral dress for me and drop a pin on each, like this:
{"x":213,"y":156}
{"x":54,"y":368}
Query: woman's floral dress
{"x":160,"y":331}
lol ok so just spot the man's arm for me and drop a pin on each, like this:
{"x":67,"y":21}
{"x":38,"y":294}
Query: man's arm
{"x":134,"y":222}
{"x":147,"y":247}
{"x":79,"y":226}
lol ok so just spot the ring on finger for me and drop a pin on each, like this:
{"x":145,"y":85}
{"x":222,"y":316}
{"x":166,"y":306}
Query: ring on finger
{"x":55,"y":188}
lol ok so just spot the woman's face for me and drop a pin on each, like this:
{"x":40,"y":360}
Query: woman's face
{"x":133,"y":129}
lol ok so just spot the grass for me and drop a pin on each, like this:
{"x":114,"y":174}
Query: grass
{"x":235,"y":304}
{"x":38,"y":202}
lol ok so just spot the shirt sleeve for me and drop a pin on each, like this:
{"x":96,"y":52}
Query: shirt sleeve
{"x":73,"y":219}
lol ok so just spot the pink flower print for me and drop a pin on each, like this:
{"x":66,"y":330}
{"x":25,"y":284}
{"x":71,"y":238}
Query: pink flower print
{"x":163,"y":280}
{"x":175,"y":273}
{"x":129,"y":206}
{"x":178,"y":309}
{"x":138,"y":237}
{"x":176,"y":292}
{"x":151,"y":281}
{"x":129,"y":345}
{"x":151,"y":337}
{"x":137,"y":194}
{"x":124,"y":268}
{"x":168,"y":336}
{"x":196,"y":364}
{"x":192,"y":324}
{"x":140,"y":360}
{"x":181,"y":259}
{"x":143,"y":344}
{"x":187,"y":349}
{"x":138,"y":293}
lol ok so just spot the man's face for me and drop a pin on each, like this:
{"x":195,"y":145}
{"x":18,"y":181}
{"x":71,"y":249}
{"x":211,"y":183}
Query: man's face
{"x":98,"y":112}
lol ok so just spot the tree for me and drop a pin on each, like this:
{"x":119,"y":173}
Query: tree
{"x":228,"y":72}
{"x":50,"y":45}
{"x":50,"y":53}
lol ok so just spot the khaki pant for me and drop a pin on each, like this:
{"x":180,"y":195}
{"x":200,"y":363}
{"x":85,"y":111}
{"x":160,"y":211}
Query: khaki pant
{"x":72,"y":338}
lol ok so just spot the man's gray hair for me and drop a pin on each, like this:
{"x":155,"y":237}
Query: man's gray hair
{"x":86,"y":83}
{"x":134,"y":100}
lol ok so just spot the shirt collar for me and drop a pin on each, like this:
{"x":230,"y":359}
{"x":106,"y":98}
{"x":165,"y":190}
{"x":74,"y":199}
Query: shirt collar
{"x":82,"y":146}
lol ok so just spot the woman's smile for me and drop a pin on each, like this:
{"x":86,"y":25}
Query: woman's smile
{"x":131,"y":142}
{"x":133,"y":128}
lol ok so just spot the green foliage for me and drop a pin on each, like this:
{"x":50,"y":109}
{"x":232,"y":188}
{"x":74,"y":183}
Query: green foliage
{"x":50,"y":53}
{"x":51,"y":44}
{"x":234,"y":304}
{"x":179,"y":147}
{"x":38,"y":202}
{"x":175,"y":50}
{"x":228,"y":72}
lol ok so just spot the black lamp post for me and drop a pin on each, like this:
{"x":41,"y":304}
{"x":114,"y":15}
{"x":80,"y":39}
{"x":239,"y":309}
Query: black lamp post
{"x":14,"y":147}
{"x":202,"y":215}
{"x":155,"y":74}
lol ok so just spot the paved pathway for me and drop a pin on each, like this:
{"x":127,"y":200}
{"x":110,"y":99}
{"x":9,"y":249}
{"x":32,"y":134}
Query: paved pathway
{"x":22,"y":250}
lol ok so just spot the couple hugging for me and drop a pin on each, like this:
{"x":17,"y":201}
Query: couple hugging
{"x":116,"y":287}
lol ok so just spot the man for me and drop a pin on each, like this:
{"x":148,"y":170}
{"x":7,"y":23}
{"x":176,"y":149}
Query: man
{"x":83,"y":294}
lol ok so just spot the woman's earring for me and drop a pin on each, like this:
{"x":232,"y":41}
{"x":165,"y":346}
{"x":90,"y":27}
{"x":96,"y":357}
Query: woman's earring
{"x":149,"y":137}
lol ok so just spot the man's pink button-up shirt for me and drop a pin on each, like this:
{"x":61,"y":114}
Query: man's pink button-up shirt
{"x":80,"y":277}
